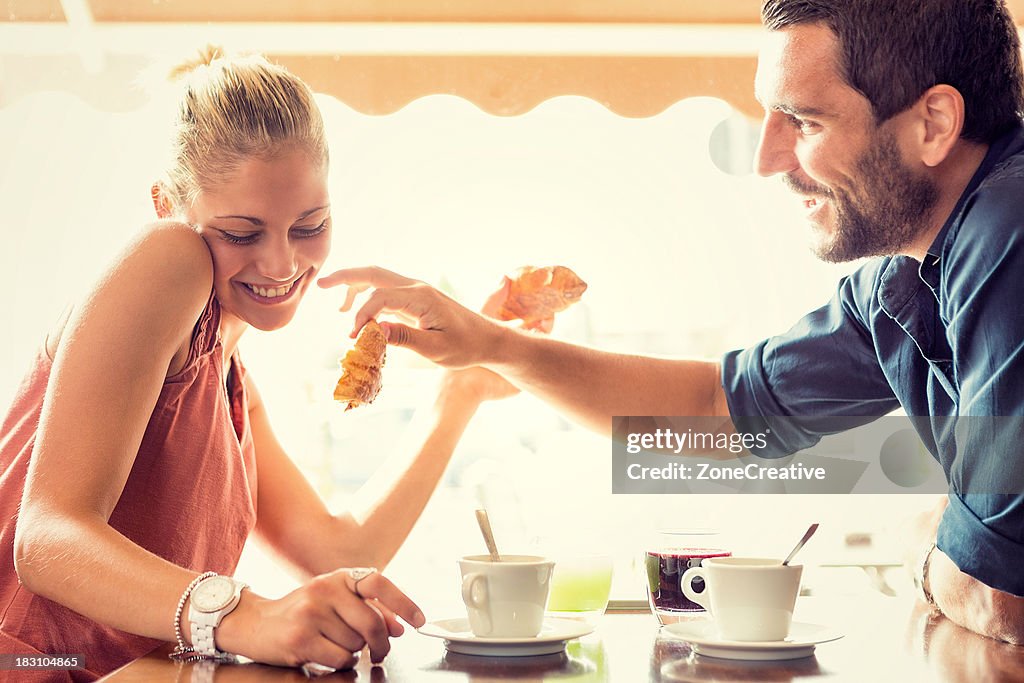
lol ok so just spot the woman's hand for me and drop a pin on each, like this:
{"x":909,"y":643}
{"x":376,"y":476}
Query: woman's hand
{"x":478,"y":384}
{"x":482,"y":384}
{"x":327,"y":621}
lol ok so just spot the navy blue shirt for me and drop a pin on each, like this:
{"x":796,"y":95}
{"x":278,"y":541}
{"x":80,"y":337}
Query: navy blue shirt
{"x":944,"y":341}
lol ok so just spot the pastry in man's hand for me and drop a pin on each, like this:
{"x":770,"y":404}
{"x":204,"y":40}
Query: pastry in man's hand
{"x":361,"y":368}
{"x":536,"y":294}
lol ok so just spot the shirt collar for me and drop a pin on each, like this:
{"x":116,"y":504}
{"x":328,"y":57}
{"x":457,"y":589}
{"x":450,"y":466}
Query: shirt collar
{"x":996,"y":151}
{"x":928,"y":270}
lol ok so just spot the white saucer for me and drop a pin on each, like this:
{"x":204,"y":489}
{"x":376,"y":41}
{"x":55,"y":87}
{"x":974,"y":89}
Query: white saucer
{"x":551,"y":639}
{"x":704,"y":639}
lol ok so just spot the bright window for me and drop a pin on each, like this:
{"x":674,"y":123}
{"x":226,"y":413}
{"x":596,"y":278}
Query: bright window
{"x":682,"y":257}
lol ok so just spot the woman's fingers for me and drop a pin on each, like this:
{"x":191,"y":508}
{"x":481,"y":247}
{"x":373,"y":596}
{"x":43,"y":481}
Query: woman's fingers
{"x":375,"y":586}
{"x":395,"y":627}
{"x":544,"y":325}
{"x":365,"y":605}
{"x":496,"y":301}
{"x":326,"y":652}
{"x":334,"y":627}
{"x":367,"y":622}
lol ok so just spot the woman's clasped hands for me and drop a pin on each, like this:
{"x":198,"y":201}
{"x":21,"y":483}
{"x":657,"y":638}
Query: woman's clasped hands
{"x":327,"y":621}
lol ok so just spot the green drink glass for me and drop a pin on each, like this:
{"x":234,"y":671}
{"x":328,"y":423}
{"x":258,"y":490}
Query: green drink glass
{"x":580,"y":586}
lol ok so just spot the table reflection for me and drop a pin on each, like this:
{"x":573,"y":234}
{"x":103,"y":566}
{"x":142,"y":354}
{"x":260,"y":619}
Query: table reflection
{"x":956,"y":654}
{"x":885,"y":640}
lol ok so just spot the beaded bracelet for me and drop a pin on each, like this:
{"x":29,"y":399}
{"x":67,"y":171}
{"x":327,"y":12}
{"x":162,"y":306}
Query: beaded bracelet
{"x":182,"y":650}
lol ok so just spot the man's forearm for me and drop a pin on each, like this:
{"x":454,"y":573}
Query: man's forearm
{"x":591,"y":386}
{"x":974,"y":605}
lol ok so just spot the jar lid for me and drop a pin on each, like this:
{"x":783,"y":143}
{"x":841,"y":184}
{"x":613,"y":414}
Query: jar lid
{"x":683,"y":531}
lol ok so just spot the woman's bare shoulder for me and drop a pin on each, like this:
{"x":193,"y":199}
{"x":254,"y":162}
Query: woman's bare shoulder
{"x":175,"y":247}
{"x":161,"y":280}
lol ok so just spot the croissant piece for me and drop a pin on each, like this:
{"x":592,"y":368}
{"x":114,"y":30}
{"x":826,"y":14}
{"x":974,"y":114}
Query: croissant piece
{"x":539,"y":293}
{"x":361,"y":368}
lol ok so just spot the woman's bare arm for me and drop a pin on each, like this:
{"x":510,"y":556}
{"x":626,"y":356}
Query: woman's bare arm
{"x":109,"y":368}
{"x":295,"y":522}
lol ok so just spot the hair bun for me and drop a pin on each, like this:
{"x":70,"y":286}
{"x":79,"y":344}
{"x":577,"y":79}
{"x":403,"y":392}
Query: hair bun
{"x":204,"y":57}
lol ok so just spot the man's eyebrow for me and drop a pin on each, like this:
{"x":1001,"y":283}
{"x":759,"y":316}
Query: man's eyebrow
{"x":258,"y":222}
{"x":794,"y":110}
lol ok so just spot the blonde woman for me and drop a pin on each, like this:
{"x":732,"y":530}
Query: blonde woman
{"x":137,"y":457}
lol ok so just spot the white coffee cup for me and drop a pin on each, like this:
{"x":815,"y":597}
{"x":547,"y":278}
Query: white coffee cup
{"x":750,"y":598}
{"x":505,"y":599}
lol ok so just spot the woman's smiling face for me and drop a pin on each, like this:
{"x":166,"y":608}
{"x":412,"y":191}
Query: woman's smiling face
{"x":269,"y":231}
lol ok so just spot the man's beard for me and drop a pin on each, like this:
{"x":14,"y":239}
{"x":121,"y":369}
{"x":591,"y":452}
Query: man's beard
{"x":893,"y":206}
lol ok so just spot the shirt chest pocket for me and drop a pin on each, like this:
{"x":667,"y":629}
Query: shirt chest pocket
{"x":920,"y":320}
{"x":942,"y":371}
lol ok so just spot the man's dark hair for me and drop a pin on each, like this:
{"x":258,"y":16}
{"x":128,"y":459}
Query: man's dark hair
{"x":891,"y":51}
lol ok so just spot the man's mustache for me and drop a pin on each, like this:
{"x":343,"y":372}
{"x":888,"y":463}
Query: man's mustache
{"x":810,"y":189}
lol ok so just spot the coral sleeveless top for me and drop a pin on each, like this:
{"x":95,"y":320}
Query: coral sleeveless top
{"x":190,"y":498}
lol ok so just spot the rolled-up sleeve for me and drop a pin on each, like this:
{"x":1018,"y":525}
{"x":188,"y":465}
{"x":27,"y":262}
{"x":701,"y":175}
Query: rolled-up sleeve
{"x":822,"y":375}
{"x":982,"y":530}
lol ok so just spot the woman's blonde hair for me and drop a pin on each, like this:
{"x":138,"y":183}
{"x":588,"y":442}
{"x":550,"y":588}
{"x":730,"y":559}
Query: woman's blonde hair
{"x":233,"y":108}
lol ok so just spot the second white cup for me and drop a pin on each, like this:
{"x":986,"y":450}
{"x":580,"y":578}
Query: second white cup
{"x":749,"y":598}
{"x":505,"y":599}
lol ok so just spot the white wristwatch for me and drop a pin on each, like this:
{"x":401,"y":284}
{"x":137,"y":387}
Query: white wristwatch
{"x":210,"y":601}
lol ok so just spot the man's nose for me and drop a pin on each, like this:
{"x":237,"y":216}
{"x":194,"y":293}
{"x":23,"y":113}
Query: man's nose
{"x":775,"y":153}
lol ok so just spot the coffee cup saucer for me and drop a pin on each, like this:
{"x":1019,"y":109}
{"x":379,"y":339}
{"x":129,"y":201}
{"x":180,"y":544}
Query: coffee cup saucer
{"x":703,"y":638}
{"x":553,"y":636}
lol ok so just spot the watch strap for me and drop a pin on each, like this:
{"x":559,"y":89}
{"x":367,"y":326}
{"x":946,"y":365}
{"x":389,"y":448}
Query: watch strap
{"x":202,"y":639}
{"x":203,"y":625}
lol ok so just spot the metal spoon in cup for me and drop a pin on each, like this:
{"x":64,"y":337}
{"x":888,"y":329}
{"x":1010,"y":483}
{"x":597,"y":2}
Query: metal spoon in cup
{"x":810,"y":532}
{"x":485,"y":529}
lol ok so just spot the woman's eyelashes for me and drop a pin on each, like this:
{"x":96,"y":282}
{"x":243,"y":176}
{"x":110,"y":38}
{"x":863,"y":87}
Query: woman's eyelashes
{"x":248,"y":238}
{"x":252,"y":237}
{"x":311,"y":232}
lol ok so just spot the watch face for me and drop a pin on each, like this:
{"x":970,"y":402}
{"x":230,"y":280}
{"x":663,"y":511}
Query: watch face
{"x":213,"y":594}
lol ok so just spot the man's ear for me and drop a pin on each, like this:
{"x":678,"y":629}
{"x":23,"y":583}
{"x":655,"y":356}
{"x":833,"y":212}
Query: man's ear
{"x":941,"y":115}
{"x":161,"y":200}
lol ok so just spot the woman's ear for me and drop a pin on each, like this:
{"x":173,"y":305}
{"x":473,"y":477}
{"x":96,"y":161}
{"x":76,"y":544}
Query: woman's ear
{"x":941,"y":111}
{"x":161,"y":200}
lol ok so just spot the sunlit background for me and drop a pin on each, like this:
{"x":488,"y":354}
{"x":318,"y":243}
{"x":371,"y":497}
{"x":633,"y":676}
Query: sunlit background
{"x":618,"y":144}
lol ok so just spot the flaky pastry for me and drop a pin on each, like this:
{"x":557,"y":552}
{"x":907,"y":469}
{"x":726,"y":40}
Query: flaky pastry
{"x":361,"y":368}
{"x":538,"y":293}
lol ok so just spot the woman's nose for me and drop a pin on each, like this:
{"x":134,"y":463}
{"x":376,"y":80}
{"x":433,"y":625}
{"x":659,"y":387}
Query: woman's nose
{"x":278,"y":261}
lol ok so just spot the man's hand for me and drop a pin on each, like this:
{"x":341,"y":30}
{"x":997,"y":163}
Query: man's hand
{"x":438,"y":328}
{"x":960,"y":597}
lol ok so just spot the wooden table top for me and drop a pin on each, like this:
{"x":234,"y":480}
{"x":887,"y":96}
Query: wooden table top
{"x":885,"y":639}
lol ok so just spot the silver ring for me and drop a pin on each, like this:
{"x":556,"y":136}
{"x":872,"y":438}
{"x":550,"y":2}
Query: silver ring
{"x":358,"y":574}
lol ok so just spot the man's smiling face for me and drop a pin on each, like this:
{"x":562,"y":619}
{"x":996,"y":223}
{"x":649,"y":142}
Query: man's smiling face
{"x":860,"y":196}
